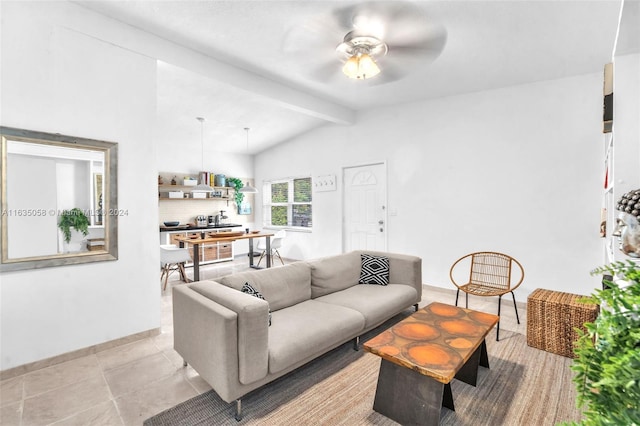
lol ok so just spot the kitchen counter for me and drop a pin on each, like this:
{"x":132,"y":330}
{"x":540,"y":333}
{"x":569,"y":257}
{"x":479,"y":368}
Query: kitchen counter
{"x":186,"y":228}
{"x":215,"y":251}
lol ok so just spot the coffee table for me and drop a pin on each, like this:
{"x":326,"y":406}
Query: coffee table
{"x":422,"y":354}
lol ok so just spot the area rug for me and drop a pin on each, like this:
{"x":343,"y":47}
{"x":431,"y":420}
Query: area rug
{"x":523,"y":386}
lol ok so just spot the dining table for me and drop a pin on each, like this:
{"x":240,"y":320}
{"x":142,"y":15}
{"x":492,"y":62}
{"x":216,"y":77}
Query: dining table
{"x":197,"y":242}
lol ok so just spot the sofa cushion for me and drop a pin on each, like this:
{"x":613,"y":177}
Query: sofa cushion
{"x":374,"y":270}
{"x":308,"y":329}
{"x":247,"y":288}
{"x":376,"y":303}
{"x":334,"y":273}
{"x":403,"y":268}
{"x":281,"y":287}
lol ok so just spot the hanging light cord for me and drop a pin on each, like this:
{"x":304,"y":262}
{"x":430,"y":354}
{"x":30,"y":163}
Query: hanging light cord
{"x":201,"y":120}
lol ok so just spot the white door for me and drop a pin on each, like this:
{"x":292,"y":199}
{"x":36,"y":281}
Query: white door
{"x":365,"y":210}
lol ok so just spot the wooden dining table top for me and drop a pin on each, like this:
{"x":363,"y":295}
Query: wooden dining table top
{"x":222,"y":237}
{"x":435,"y":341}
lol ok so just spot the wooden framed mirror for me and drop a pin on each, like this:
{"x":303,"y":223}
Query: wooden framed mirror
{"x":59,"y":200}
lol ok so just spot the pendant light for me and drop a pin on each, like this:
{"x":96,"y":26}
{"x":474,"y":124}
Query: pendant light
{"x":202,"y":185}
{"x":248,"y":189}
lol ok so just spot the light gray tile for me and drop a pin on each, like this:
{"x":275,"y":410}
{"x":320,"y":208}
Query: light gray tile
{"x":69,"y":372}
{"x":11,"y":414}
{"x":125,"y":354}
{"x":174,"y":357}
{"x":62,"y":402}
{"x":164,"y":340}
{"x":137,"y":406}
{"x":138,"y":374}
{"x":11,"y":390}
{"x":198,"y":383}
{"x":105,"y":414}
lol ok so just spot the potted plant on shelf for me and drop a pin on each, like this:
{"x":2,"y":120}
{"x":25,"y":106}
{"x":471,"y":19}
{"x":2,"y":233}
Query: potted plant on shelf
{"x":76,"y":219}
{"x":607,"y":366}
{"x":236,"y":184}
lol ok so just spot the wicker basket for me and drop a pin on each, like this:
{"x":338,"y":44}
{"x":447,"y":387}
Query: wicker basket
{"x":552,"y":317}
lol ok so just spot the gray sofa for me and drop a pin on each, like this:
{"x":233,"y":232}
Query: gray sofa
{"x":314,"y":306}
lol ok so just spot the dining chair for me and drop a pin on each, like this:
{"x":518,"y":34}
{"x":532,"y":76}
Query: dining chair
{"x":172,"y":258}
{"x":490,"y":274}
{"x":276,"y":243}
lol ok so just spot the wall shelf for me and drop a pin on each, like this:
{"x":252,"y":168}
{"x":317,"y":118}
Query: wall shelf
{"x":163,"y":193}
{"x":194,"y":199}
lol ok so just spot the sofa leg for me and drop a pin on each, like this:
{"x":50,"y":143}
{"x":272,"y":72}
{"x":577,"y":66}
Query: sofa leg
{"x":238,"y":415}
{"x":356,"y":342}
{"x":184,"y":363}
{"x":415,"y":307}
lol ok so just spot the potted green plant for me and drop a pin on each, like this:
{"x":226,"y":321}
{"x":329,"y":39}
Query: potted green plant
{"x":236,"y":184}
{"x":607,"y":366}
{"x":76,"y":219}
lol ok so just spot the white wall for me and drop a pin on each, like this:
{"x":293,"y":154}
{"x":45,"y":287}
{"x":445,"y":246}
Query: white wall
{"x":58,"y":77}
{"x":517,"y":170}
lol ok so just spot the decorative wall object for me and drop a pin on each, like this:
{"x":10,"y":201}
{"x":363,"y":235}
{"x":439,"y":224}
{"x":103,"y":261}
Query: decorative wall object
{"x":72,"y":173}
{"x":324,"y":183}
{"x":607,"y":108}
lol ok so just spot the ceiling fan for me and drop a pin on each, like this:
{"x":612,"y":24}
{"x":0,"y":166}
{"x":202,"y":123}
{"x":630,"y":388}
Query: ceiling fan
{"x":379,"y":41}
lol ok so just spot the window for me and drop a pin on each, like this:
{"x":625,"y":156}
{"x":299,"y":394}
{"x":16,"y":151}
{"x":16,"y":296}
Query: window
{"x":288,"y":203}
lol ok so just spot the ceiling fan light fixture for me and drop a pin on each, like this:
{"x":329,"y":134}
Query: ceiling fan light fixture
{"x":350,"y":68}
{"x":361,"y":49}
{"x":361,"y":66}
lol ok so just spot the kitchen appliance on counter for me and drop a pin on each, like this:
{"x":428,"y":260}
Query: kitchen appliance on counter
{"x":201,"y":221}
{"x":217,"y":219}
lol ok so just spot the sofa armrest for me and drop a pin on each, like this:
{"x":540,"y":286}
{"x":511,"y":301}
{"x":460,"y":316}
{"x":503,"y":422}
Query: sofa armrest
{"x":241,"y":321}
{"x":403,"y":269}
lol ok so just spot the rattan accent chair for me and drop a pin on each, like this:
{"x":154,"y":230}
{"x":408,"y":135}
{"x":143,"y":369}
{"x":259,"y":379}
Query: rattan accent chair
{"x":490,"y":274}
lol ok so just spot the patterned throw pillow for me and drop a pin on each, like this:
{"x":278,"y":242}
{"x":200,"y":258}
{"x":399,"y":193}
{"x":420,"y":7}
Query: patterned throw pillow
{"x":247,"y":288}
{"x":375,"y":269}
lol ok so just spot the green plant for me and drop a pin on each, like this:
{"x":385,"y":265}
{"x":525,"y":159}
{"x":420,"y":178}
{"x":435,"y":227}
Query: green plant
{"x":237,"y":184}
{"x":607,"y":366}
{"x":74,"y":218}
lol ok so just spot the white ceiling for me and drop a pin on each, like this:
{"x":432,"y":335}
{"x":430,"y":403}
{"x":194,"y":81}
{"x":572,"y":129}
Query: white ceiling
{"x":288,"y":78}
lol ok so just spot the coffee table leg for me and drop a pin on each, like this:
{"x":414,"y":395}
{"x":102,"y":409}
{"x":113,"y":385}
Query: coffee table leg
{"x":484,"y":357}
{"x":468,"y":373}
{"x":409,"y":397}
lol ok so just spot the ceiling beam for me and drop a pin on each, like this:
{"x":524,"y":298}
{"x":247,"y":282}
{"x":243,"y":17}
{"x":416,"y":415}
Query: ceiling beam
{"x":147,"y":44}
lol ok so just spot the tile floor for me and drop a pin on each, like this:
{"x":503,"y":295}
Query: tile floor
{"x":130,"y":383}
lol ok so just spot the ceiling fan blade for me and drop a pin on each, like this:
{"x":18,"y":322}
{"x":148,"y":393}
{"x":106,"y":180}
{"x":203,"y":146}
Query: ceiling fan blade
{"x":388,"y":74}
{"x":414,"y":54}
{"x":380,"y":18}
{"x":431,"y":32}
{"x":424,"y":50}
{"x":316,"y":34}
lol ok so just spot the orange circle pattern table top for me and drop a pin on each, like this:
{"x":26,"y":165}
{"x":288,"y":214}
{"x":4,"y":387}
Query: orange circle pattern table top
{"x":435,"y":341}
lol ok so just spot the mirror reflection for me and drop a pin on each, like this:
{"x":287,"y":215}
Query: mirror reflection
{"x":55,"y":200}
